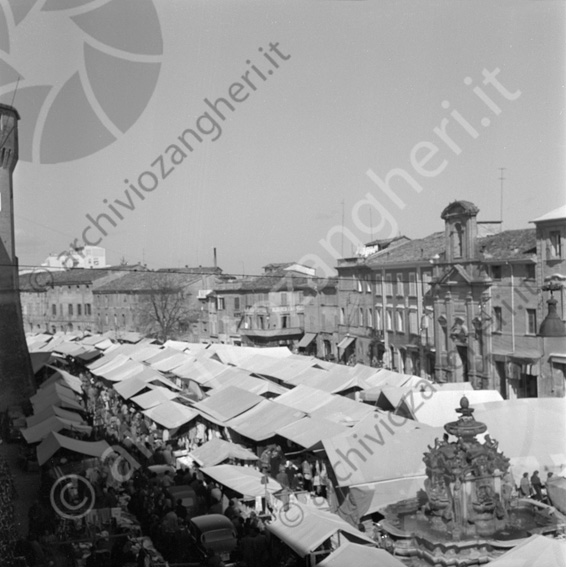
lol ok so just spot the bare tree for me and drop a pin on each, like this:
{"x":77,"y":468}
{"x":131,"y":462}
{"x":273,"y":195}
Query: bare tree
{"x":163,"y":308}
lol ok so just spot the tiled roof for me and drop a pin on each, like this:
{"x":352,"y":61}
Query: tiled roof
{"x":145,"y":281}
{"x":420,"y":250}
{"x":556,"y":214}
{"x":48,"y":278}
{"x":509,"y":245}
{"x":279,"y":280}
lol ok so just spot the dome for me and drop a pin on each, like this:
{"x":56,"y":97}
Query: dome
{"x":552,"y":325}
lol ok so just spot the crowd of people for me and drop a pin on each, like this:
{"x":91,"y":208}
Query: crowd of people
{"x":534,"y":487}
{"x":149,"y":496}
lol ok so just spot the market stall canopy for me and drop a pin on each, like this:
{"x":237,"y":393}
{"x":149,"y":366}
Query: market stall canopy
{"x":228,"y":402}
{"x":55,"y":441}
{"x":304,"y":398}
{"x":437,"y":407}
{"x":307,"y":339}
{"x":304,"y":528}
{"x":543,"y":420}
{"x":170,"y":415}
{"x":130,"y":387}
{"x":243,"y":480}
{"x":53,"y":410}
{"x":37,"y":432}
{"x":556,"y":489}
{"x":72,"y":382}
{"x":360,"y":556}
{"x":201,"y":371}
{"x":126,"y":370}
{"x":107,"y":363}
{"x":382,"y":447}
{"x":263,"y":420}
{"x":39,"y":360}
{"x":384,"y":377}
{"x":310,"y":431}
{"x":172,"y":362}
{"x":343,"y":410}
{"x":230,"y":354}
{"x":536,"y":551}
{"x":244,"y":380}
{"x":155,"y":396}
{"x":55,"y":395}
{"x":216,"y":451}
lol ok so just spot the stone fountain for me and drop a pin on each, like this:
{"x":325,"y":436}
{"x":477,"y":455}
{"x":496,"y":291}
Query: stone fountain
{"x":468,"y":512}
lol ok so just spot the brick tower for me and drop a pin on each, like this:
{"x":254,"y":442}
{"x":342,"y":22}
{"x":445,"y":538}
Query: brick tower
{"x":16,"y":375}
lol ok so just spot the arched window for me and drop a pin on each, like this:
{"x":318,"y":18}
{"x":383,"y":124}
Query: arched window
{"x":458,"y":245}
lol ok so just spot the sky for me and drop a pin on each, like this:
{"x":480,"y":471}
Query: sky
{"x":356,"y":120}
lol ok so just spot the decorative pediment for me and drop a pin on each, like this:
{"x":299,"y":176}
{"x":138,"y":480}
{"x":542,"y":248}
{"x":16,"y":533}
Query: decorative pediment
{"x":456,"y":274}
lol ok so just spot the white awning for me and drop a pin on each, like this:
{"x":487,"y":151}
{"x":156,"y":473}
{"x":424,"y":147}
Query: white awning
{"x":346,"y":342}
{"x":306,"y":340}
{"x":243,"y":480}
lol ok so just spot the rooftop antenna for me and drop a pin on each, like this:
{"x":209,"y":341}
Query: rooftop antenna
{"x":501,"y":179}
{"x":370,"y":225}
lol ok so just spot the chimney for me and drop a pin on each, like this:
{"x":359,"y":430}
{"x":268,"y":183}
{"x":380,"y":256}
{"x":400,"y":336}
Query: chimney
{"x":215,"y":264}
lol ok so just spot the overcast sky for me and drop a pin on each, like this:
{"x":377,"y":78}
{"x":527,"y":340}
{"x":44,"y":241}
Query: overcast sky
{"x":437,"y":96}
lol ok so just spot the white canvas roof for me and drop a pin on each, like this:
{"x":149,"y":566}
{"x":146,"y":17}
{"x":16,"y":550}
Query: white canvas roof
{"x":171,"y":415}
{"x":62,"y":376}
{"x":37,"y":432}
{"x":217,"y":450}
{"x":244,"y":380}
{"x":542,"y":423}
{"x":351,"y":554}
{"x":130,"y":387}
{"x":310,"y":431}
{"x":228,"y":402}
{"x":304,"y":398}
{"x":438,"y":407}
{"x":304,"y":528}
{"x":168,"y":364}
{"x":262,"y":421}
{"x":201,"y":371}
{"x":157,"y":395}
{"x":343,"y":410}
{"x":381,"y":447}
{"x":55,"y":441}
{"x":243,"y":480}
{"x":55,"y":394}
{"x":107,"y":362}
{"x":536,"y":551}
{"x":53,"y":410}
{"x":126,"y":370}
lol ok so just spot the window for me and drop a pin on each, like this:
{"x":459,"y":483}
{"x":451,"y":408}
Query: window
{"x":389,"y":316}
{"x":342,"y":316}
{"x":400,"y":322}
{"x":236,"y":303}
{"x":260,"y":322}
{"x":79,"y":309}
{"x":123,"y":320}
{"x":388,"y":285}
{"x":368,"y":286}
{"x":530,"y":271}
{"x":70,"y":307}
{"x":378,"y":322}
{"x":496,"y":272}
{"x":53,"y":309}
{"x":399,"y":286}
{"x":87,"y":309}
{"x":370,"y":317}
{"x":283,"y":299}
{"x":361,"y":316}
{"x":555,"y":247}
{"x":427,"y":277}
{"x":412,"y":285}
{"x":358,"y":283}
{"x":497,"y":320}
{"x":378,"y":285}
{"x":284,"y":321}
{"x":531,"y":321}
{"x":220,"y":303}
{"x":413,"y":322}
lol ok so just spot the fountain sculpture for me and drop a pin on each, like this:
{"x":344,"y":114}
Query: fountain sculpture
{"x":468,"y":512}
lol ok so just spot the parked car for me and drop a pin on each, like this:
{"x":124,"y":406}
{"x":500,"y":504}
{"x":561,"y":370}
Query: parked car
{"x":214,"y":532}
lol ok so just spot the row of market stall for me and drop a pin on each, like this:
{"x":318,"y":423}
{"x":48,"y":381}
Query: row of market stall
{"x":220,"y":404}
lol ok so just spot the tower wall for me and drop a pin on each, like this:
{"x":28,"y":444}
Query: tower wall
{"x":16,"y":375}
